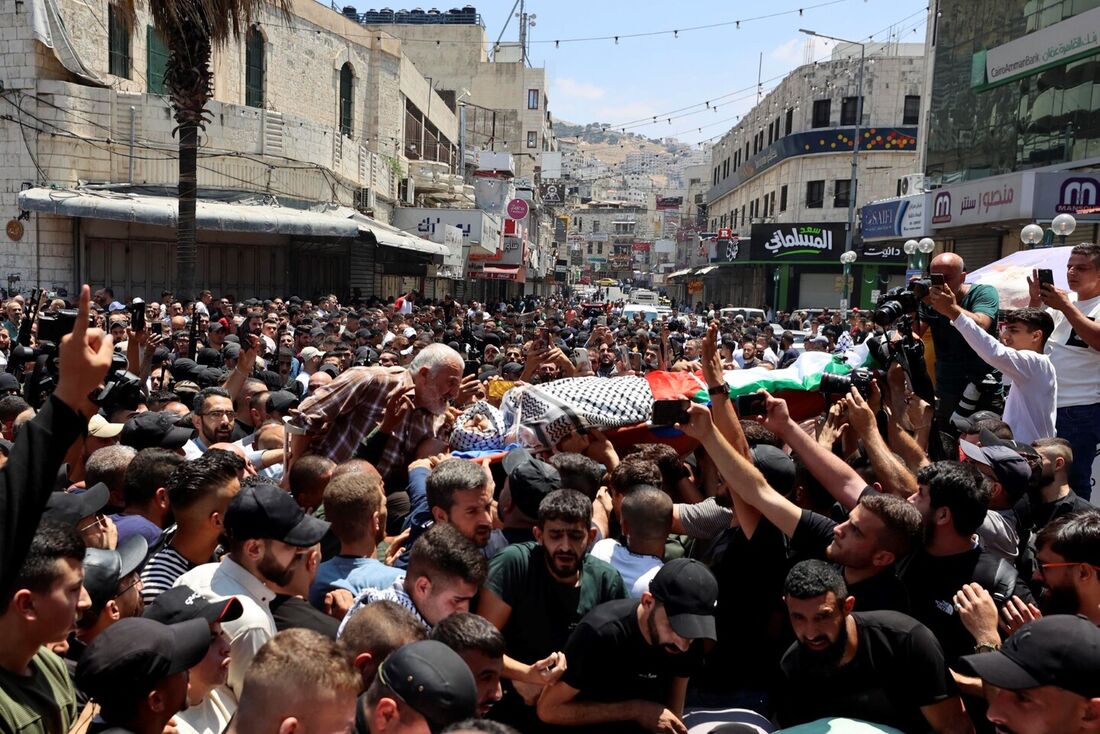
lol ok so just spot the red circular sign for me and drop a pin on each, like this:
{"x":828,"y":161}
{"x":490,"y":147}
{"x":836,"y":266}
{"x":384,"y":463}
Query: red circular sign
{"x":518,"y":208}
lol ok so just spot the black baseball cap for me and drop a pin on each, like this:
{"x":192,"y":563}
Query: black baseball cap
{"x":103,"y":568}
{"x":433,"y":680}
{"x":181,"y":603}
{"x":776,"y":465}
{"x":689,"y":592}
{"x":8,"y":383}
{"x":265,"y":511}
{"x":154,"y":429}
{"x":281,"y":401}
{"x":133,"y":655}
{"x":1061,"y":650}
{"x":529,"y":480}
{"x":1010,"y":469}
{"x":969,"y":423}
{"x":70,"y":507}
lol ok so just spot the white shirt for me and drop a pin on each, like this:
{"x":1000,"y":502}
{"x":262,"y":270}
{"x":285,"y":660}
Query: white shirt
{"x":1077,"y":364}
{"x":210,"y":716}
{"x":192,"y":450}
{"x":637,"y":570}
{"x":1029,"y":408}
{"x":253,"y":628}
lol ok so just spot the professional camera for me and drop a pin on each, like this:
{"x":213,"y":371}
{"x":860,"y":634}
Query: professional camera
{"x":51,"y":327}
{"x":860,"y":379}
{"x":895,"y":303}
{"x":121,"y":388}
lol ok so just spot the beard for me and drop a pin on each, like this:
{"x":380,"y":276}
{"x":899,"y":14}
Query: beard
{"x":270,"y":569}
{"x":824,"y":662}
{"x":555,"y":564}
{"x":1062,"y":600}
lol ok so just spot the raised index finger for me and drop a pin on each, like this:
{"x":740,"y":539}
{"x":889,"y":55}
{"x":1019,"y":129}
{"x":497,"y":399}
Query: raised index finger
{"x":81,"y":325}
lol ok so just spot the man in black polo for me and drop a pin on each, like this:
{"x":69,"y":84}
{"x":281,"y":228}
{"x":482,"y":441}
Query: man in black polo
{"x":629,"y":660}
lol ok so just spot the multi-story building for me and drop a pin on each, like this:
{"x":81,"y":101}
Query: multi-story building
{"x":784,"y":171}
{"x":310,"y":127}
{"x":610,"y":238}
{"x":1012,"y":130}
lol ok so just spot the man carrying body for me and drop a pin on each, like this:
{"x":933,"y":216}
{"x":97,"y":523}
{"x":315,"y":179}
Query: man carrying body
{"x":630,"y":661}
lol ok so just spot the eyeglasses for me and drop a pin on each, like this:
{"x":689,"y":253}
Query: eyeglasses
{"x":219,"y":414}
{"x":100,"y":520}
{"x":132,"y":584}
{"x":1064,"y":564}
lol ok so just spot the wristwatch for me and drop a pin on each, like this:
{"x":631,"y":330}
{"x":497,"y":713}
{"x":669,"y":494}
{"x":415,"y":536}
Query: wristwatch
{"x":716,"y":390}
{"x":986,"y":647}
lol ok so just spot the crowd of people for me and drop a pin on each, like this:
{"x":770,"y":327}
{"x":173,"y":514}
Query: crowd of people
{"x":307,"y":516}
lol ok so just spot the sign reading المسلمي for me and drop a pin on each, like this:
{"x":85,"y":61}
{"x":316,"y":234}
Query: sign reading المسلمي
{"x":797,"y":241}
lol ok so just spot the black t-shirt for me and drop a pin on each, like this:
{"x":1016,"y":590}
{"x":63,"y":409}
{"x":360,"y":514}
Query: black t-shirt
{"x":883,"y":591}
{"x":610,"y":661}
{"x":1033,"y":516}
{"x":898,"y":668}
{"x":290,"y":612}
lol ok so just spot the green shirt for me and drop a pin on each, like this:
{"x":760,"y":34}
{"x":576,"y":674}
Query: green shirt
{"x":43,"y":702}
{"x":956,"y":362}
{"x":545,"y":611}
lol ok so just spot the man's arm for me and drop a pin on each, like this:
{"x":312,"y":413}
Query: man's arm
{"x":948,"y":716}
{"x":245,"y":364}
{"x":558,"y":705}
{"x":1086,"y":328}
{"x":889,"y":471}
{"x":1011,"y":362}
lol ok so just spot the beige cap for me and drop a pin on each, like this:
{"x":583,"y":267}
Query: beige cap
{"x":100,"y":428}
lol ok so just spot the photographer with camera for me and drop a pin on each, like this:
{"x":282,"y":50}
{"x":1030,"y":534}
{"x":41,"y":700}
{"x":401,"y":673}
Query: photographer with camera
{"x":957,"y":364}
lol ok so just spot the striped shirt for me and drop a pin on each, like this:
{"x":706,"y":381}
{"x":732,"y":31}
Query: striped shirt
{"x":339,"y":415}
{"x":161,"y":571}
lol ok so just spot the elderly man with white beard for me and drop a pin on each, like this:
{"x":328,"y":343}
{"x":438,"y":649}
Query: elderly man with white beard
{"x":339,"y":415}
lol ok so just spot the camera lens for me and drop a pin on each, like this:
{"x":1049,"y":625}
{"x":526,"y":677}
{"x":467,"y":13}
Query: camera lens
{"x":833,"y":384}
{"x":887,"y":313}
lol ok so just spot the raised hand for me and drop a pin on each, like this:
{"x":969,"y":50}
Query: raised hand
{"x":84,"y":358}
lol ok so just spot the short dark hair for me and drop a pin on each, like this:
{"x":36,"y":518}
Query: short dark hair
{"x":380,"y":628}
{"x":1075,"y":537}
{"x":756,"y":434}
{"x":1036,"y":319}
{"x":814,"y":578}
{"x":192,"y":481}
{"x":665,"y":457}
{"x":634,"y":471}
{"x":960,"y":488}
{"x":902,"y":520}
{"x":150,"y":470}
{"x":579,"y":472}
{"x":443,"y":551}
{"x":308,"y":471}
{"x":480,"y":726}
{"x":1049,"y":447}
{"x":450,"y":476}
{"x":465,"y":631}
{"x":997,"y":427}
{"x":199,"y":403}
{"x":648,"y":513}
{"x":11,"y":406}
{"x":52,"y":542}
{"x":565,"y":505}
{"x":1089,"y":250}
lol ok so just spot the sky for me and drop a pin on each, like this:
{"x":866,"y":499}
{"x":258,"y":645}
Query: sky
{"x":637,"y":78}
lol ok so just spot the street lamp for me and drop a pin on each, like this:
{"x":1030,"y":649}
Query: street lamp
{"x":775,"y":286}
{"x":846,"y":259}
{"x":1061,"y":226}
{"x":1031,"y":235}
{"x":917,"y":252}
{"x":853,"y":184}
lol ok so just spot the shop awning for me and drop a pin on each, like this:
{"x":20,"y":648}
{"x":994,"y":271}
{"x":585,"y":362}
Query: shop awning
{"x":679,"y":273}
{"x":497,"y":272}
{"x":389,"y":236}
{"x":163,"y":211}
{"x":707,"y":269}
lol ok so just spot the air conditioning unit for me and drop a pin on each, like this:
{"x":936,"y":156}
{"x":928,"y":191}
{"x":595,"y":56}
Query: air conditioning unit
{"x":406,"y":191}
{"x":912,"y":184}
{"x":364,"y":200}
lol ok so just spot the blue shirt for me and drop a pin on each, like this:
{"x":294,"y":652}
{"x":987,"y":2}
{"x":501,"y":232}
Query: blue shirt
{"x":131,"y":525}
{"x":354,"y":573}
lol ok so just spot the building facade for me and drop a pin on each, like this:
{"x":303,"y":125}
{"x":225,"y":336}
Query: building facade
{"x":788,"y":162}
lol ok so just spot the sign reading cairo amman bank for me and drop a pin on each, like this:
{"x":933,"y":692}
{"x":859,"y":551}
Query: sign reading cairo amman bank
{"x":797,"y":241}
{"x":1072,"y":38}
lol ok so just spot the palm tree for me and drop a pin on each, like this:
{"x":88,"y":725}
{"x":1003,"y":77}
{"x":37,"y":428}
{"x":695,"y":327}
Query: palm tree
{"x":191,"y":29}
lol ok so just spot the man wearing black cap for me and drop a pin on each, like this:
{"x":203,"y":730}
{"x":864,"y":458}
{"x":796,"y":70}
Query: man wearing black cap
{"x":137,"y":672}
{"x":155,"y":430}
{"x":269,"y":535}
{"x":629,"y":661}
{"x":209,"y":705}
{"x":1009,"y":476}
{"x":528,"y":481}
{"x":114,"y":586}
{"x":1045,"y":679}
{"x":420,"y":688}
{"x":882,"y":667}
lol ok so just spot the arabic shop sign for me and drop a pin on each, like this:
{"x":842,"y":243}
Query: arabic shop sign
{"x":994,"y":199}
{"x":903,"y":217}
{"x":797,"y":241}
{"x":1071,"y":39}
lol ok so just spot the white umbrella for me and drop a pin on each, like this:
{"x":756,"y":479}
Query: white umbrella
{"x":1009,"y":274}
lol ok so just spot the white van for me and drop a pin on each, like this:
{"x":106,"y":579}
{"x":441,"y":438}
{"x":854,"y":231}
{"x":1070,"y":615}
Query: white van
{"x":746,"y":313}
{"x":649,"y":313}
{"x":643,"y":297}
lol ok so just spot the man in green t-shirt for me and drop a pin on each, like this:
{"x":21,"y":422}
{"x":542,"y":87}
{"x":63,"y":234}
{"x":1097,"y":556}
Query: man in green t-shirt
{"x":537,"y":593}
{"x":957,"y":365}
{"x":36,"y":693}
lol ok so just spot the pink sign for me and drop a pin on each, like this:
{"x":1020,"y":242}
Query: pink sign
{"x":518,"y":208}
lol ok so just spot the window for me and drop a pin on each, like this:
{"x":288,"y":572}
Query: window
{"x":254,"y":68}
{"x":783,"y":198}
{"x":771,"y":133}
{"x":789,"y":123}
{"x":595,"y":225}
{"x":118,"y":44}
{"x":532,"y":139}
{"x":589,"y":248}
{"x":815,"y":194}
{"x":346,"y":77}
{"x":821,"y":112}
{"x":599,"y":248}
{"x":849,"y":111}
{"x":842,"y":190}
{"x":911,"y":115}
{"x":532,"y":99}
{"x":156,"y":61}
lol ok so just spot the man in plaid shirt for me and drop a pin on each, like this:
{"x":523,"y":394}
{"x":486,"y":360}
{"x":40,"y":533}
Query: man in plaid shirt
{"x":338,"y":415}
